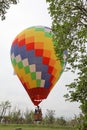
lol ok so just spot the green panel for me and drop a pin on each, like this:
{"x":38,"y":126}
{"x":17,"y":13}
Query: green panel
{"x":20,"y":64}
{"x":14,"y":62}
{"x":48,"y":34}
{"x":39,"y":29}
{"x":33,"y":75}
{"x":27,"y":69}
{"x":55,"y":43}
{"x":62,"y":63}
{"x":38,"y":83}
{"x":61,"y":72}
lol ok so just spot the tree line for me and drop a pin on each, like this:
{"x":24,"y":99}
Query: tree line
{"x":17,"y":116}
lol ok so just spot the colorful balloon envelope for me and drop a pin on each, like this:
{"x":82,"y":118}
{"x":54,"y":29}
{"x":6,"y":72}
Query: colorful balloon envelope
{"x":35,"y":62}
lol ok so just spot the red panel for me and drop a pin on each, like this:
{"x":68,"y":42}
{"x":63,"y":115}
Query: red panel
{"x":46,"y":60}
{"x":15,"y":41}
{"x":51,"y":78}
{"x":30,"y":46}
{"x":50,"y":69}
{"x":38,"y":94}
{"x":39,"y":52}
{"x":21,"y":43}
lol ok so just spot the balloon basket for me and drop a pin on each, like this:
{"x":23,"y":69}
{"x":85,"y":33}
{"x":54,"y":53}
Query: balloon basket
{"x":38,"y":117}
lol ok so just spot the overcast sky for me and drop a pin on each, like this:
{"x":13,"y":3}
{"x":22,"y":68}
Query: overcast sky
{"x":29,"y":13}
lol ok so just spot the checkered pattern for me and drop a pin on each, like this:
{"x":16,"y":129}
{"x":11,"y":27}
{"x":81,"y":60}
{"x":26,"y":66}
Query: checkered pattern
{"x":35,"y":63}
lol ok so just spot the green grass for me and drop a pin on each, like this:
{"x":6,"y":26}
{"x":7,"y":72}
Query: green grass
{"x":33,"y":127}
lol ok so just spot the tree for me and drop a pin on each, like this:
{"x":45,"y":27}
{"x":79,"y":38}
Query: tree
{"x":4,"y":5}
{"x":61,"y":121}
{"x":49,"y":118}
{"x":16,"y":116}
{"x":69,"y":24}
{"x":29,"y":116}
{"x":4,"y":107}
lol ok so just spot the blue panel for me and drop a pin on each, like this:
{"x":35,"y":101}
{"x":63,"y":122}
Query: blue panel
{"x":33,"y":59}
{"x":23,"y":52}
{"x":47,"y":84}
{"x":45,"y":75}
{"x":15,"y":50}
{"x":19,"y":50}
{"x":47,"y":28}
{"x":41,"y":67}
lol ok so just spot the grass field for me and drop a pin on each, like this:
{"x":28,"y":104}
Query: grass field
{"x":33,"y":127}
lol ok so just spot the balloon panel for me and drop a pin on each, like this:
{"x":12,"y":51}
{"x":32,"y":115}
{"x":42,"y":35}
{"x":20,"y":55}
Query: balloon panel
{"x":35,"y":63}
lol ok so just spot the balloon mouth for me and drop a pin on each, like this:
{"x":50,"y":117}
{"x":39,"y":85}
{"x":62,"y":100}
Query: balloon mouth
{"x":36,"y":102}
{"x":37,"y":99}
{"x":38,"y":94}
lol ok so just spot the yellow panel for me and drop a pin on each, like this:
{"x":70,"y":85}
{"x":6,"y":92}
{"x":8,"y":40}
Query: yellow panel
{"x":48,"y":43}
{"x":33,"y":84}
{"x":39,"y":37}
{"x":58,"y":66}
{"x":29,"y":33}
{"x":27,"y":77}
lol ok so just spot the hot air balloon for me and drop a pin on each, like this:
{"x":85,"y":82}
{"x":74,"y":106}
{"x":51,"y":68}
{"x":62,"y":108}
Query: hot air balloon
{"x":35,"y":62}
